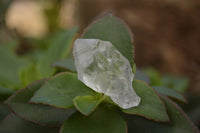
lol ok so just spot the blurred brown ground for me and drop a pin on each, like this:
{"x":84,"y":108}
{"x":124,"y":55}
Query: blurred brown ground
{"x":166,"y":33}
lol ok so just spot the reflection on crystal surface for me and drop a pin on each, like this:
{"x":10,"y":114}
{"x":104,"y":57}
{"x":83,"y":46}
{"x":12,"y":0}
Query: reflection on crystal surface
{"x":104,"y":69}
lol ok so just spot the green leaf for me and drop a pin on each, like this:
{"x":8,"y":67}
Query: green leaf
{"x":4,"y":111}
{"x":170,"y":93}
{"x":155,"y":76}
{"x":67,"y":64}
{"x":60,"y":91}
{"x":5,"y":93}
{"x":180,"y":123}
{"x":193,"y":107}
{"x":10,"y":66}
{"x":87,"y":104}
{"x":37,"y":113}
{"x":150,"y":106}
{"x":102,"y":120}
{"x":178,"y":83}
{"x":110,"y":28}
{"x":184,"y":124}
{"x":29,"y":74}
{"x":59,"y":49}
{"x":13,"y":124}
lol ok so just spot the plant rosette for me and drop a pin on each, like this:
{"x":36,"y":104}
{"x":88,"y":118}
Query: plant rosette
{"x":106,"y":95}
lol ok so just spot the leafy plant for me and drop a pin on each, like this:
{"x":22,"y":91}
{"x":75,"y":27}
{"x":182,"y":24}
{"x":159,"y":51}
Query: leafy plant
{"x":64,"y":104}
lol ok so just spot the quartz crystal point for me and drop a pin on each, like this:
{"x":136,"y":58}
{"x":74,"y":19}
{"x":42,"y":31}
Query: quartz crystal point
{"x":104,"y":69}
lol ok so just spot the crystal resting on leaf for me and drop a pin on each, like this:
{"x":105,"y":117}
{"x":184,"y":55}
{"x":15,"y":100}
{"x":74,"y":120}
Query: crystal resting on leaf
{"x":104,"y":69}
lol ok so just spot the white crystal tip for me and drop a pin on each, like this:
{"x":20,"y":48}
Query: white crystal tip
{"x":132,"y":104}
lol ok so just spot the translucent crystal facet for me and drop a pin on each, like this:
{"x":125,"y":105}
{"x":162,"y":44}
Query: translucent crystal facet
{"x":104,"y":69}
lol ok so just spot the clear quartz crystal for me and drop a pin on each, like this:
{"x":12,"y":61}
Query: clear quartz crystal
{"x":104,"y":69}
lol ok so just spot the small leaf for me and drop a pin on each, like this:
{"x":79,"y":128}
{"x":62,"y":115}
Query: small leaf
{"x":102,"y":120}
{"x":29,"y":74}
{"x":110,"y":28}
{"x":60,"y":91}
{"x":37,"y":113}
{"x":67,"y":64}
{"x":177,"y":115}
{"x":9,"y":68}
{"x":59,"y":49}
{"x":170,"y":93}
{"x":13,"y":124}
{"x":87,"y":104}
{"x":151,"y":106}
{"x":178,"y":83}
{"x":180,"y":123}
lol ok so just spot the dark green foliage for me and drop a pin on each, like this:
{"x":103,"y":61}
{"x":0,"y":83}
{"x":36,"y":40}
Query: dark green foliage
{"x":9,"y":68}
{"x":37,"y":113}
{"x":103,"y":120}
{"x":61,"y":90}
{"x":193,"y":107}
{"x":170,"y":93}
{"x":5,"y":93}
{"x":151,"y":106}
{"x":59,"y":49}
{"x":4,"y":111}
{"x":13,"y":124}
{"x":180,"y":123}
{"x":69,"y":106}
